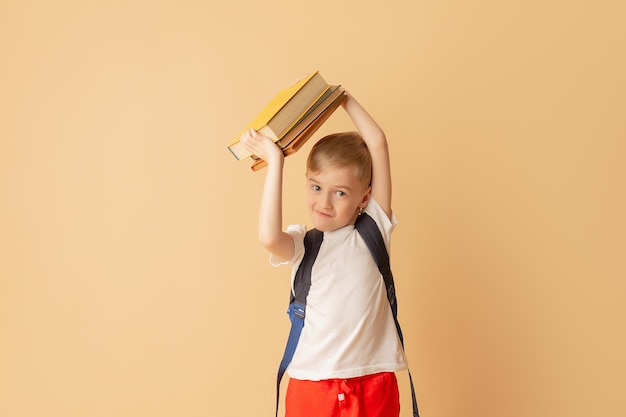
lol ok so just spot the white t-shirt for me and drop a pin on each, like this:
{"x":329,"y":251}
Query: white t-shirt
{"x":349,"y":329}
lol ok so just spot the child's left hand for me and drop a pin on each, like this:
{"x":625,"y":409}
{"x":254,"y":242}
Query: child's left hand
{"x":261,"y":146}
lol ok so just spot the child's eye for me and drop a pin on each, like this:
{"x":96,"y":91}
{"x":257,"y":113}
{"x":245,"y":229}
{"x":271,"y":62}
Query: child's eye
{"x":315,"y":188}
{"x":340,"y":193}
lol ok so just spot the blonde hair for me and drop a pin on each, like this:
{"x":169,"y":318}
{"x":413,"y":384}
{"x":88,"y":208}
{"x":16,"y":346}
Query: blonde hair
{"x":341,"y":150}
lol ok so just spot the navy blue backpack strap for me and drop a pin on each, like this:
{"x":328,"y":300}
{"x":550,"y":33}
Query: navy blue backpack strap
{"x":367,"y":228}
{"x":297,"y":301}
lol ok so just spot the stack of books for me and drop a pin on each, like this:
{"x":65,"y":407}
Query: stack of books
{"x":293,"y":116}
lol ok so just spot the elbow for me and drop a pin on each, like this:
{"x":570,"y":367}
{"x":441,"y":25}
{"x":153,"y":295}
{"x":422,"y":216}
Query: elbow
{"x":280,"y":245}
{"x":268,"y":241}
{"x":378,"y":143}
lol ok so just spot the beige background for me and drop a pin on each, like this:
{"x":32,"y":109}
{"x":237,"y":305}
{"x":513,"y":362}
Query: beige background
{"x":131,"y":282}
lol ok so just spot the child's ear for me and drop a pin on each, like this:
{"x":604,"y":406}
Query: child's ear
{"x":366,"y":197}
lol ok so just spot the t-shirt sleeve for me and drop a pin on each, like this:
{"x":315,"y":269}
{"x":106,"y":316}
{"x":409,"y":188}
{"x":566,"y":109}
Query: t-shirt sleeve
{"x":297,"y":232}
{"x":385,"y":224}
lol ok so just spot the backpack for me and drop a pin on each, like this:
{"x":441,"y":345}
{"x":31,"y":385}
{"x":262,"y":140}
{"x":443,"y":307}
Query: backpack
{"x":367,"y":228}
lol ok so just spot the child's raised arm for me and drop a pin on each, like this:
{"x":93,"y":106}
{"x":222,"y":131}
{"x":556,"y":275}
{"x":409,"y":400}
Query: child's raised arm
{"x":376,"y":142}
{"x":271,"y":234}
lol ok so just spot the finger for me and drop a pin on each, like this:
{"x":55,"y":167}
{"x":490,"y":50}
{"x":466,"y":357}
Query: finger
{"x":245,"y":136}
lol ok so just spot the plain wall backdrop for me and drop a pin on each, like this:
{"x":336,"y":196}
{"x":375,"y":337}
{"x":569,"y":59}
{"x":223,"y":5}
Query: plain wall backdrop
{"x":131,"y":280}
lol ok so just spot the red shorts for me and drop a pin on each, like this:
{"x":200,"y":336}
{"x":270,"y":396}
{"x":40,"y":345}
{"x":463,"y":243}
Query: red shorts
{"x":373,"y":395}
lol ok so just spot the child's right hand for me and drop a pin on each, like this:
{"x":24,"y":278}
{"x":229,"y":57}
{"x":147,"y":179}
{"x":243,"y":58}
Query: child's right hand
{"x":261,"y":146}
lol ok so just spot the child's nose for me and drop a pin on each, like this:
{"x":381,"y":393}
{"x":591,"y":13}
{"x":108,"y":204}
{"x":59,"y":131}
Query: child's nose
{"x":326,"y":200}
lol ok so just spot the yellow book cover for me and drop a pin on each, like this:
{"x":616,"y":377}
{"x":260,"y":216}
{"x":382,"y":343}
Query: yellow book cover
{"x":277,"y":117}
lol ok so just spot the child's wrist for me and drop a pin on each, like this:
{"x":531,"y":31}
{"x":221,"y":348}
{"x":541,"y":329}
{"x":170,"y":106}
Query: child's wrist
{"x":276,"y":158}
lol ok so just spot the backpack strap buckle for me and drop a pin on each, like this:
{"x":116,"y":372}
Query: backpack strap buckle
{"x":296,"y":310}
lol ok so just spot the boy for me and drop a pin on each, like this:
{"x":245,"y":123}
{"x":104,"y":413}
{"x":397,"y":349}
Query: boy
{"x":349,"y":347}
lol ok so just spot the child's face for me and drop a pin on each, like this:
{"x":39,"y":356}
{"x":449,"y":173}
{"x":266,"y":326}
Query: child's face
{"x":334,"y":196}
